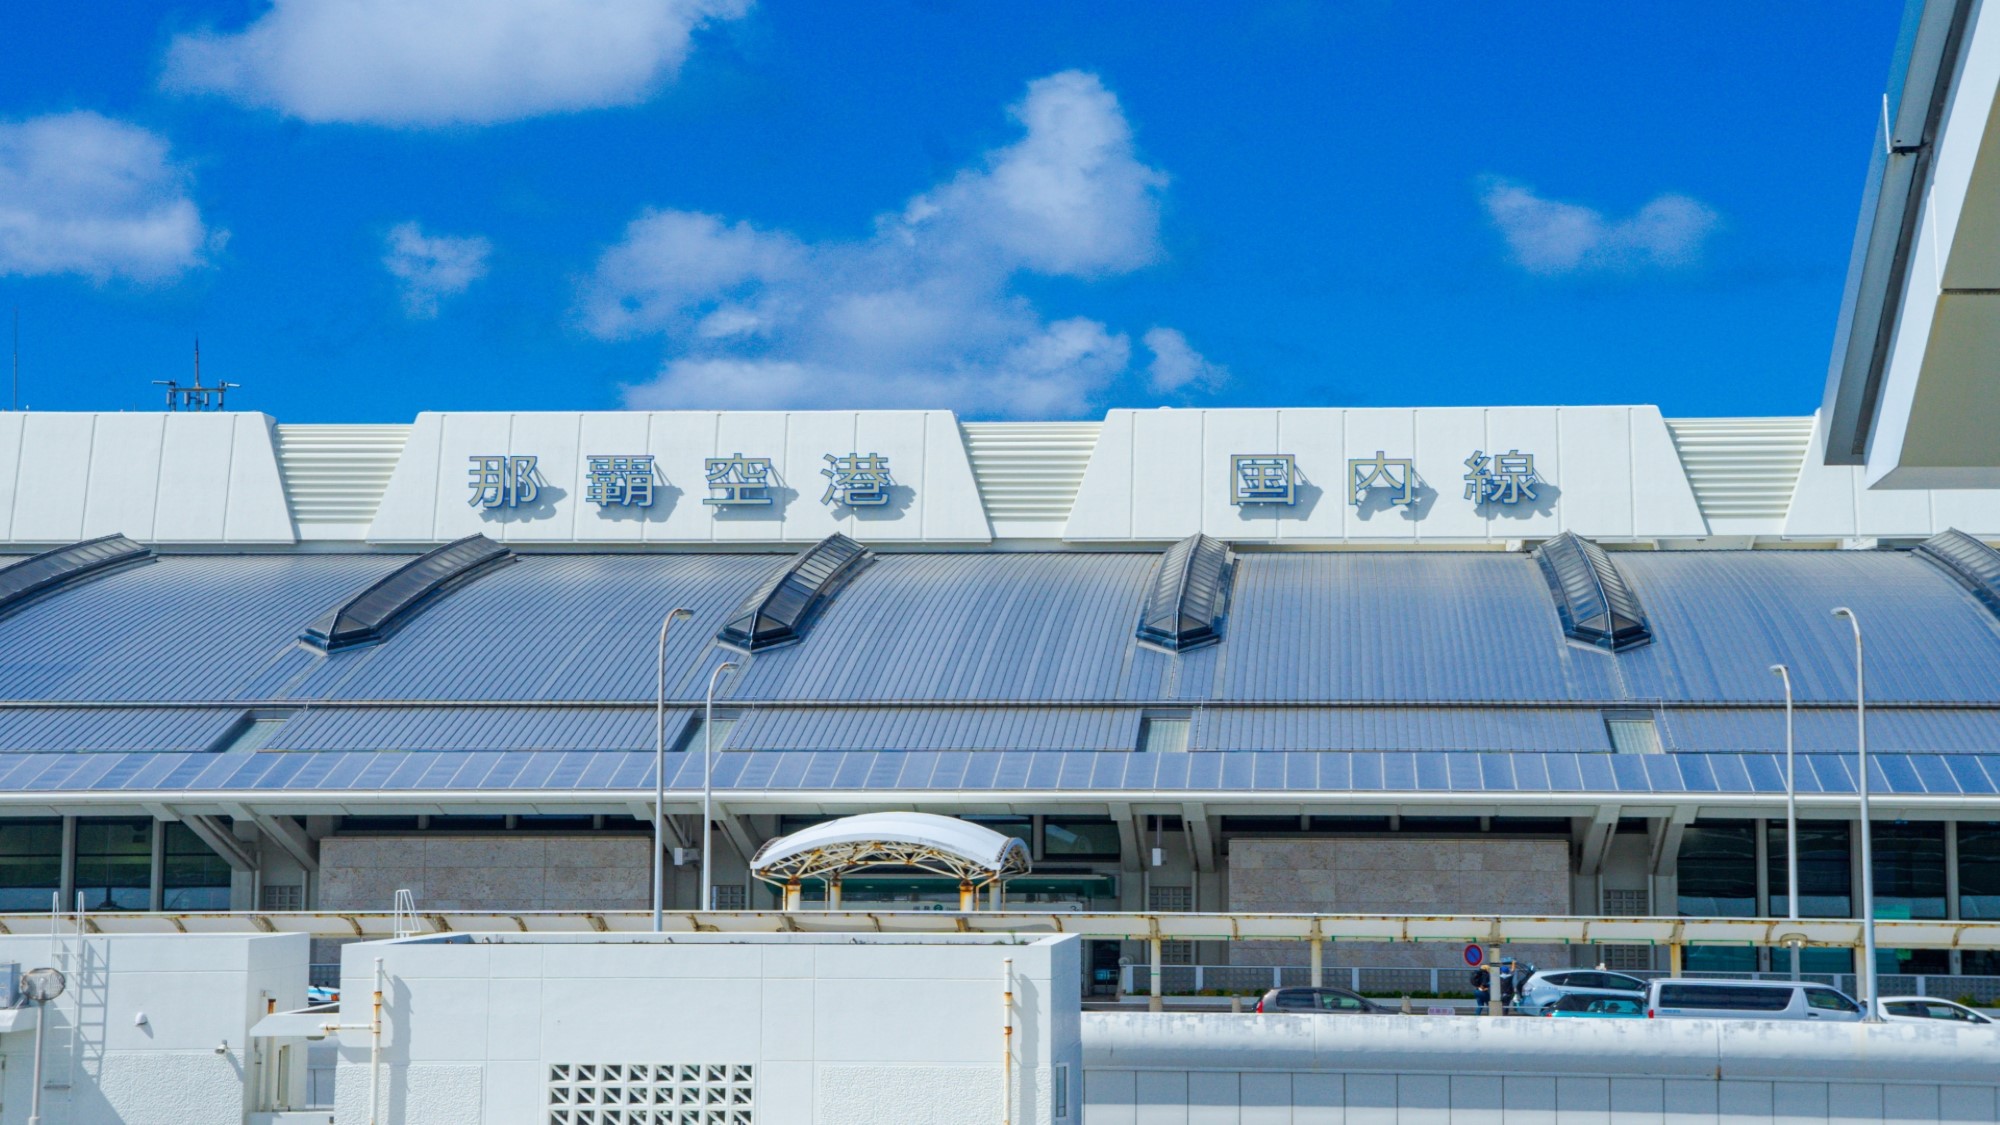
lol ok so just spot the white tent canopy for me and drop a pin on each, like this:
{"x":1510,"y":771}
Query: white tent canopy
{"x":943,"y":844}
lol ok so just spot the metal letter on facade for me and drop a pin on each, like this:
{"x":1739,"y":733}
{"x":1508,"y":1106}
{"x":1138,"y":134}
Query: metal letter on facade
{"x":857,"y":480}
{"x":502,"y":482}
{"x":1504,"y":478}
{"x":1394,"y":473}
{"x":737,"y":479}
{"x":625,"y":482}
{"x":1262,"y":478}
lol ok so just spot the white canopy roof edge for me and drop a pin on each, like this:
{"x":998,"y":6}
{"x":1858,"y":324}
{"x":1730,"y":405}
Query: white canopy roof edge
{"x":943,"y":844}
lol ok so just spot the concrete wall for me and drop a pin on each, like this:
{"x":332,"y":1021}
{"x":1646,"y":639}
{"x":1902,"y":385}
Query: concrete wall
{"x":187,"y":1064}
{"x":1305,"y":1069}
{"x":838,"y":1029}
{"x":511,"y":872}
{"x":1385,"y":875}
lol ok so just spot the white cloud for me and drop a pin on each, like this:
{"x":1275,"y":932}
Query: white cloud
{"x":443,"y":62}
{"x":923,"y":312}
{"x":432,"y":267}
{"x":1177,"y":366}
{"x":1548,"y":236}
{"x":83,"y":194}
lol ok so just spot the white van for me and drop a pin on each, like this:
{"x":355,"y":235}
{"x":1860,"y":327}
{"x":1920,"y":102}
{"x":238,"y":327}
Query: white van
{"x":1682,"y":999}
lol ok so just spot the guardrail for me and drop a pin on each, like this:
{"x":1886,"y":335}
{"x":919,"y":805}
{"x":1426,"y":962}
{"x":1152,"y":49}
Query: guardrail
{"x":1319,"y":929}
{"x":1389,"y":980}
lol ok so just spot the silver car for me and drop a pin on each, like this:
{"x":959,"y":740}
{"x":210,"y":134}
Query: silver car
{"x":1930,"y":1009}
{"x":1545,"y":988}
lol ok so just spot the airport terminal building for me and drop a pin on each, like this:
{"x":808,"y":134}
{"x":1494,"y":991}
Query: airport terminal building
{"x":1461,"y":660}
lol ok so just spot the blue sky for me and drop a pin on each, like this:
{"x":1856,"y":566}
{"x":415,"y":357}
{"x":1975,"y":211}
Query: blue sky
{"x":367,"y":208}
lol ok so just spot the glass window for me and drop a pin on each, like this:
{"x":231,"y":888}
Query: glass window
{"x":1718,"y":869}
{"x":1909,"y":870}
{"x":1338,"y":1002}
{"x":193,"y":876}
{"x":1080,"y":838}
{"x":1979,"y":870}
{"x":1725,"y":997}
{"x":114,"y":863}
{"x":1633,"y":734}
{"x":1719,"y":959}
{"x":694,"y":741}
{"x":1163,"y":736}
{"x":1827,"y":1000}
{"x":1824,"y":871}
{"x":1940,"y":1011}
{"x":30,"y":864}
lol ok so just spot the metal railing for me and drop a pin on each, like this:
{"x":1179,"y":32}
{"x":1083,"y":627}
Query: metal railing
{"x":1189,"y":980}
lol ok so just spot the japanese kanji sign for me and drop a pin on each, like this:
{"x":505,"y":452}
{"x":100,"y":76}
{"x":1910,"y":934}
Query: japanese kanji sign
{"x":502,"y":482}
{"x":1396,"y":474}
{"x":856,"y":480}
{"x":1503,"y":478}
{"x":620,"y":482}
{"x":1263,"y":478}
{"x":737,"y":479}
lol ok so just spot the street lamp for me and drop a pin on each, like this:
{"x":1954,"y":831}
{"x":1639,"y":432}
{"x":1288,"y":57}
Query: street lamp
{"x":707,"y":775}
{"x":1791,"y":817}
{"x":660,"y":771}
{"x":1867,"y":852}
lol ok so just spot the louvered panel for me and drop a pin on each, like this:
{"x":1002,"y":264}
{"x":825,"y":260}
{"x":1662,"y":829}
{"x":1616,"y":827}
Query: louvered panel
{"x":1742,"y":468}
{"x":337,"y":474}
{"x":1029,"y":471}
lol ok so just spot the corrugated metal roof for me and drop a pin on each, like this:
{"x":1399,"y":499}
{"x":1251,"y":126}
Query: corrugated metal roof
{"x":124,"y":728}
{"x":906,"y":728}
{"x":1045,"y":628}
{"x":477,"y":728}
{"x":1015,"y":771}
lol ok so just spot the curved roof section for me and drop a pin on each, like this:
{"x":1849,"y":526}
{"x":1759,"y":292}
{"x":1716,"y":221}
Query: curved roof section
{"x":40,"y":575}
{"x":1975,"y":565}
{"x":892,"y":839}
{"x":783,"y":606}
{"x":371,"y":615}
{"x":1593,"y":600}
{"x":1189,"y":595}
{"x":1006,"y":629}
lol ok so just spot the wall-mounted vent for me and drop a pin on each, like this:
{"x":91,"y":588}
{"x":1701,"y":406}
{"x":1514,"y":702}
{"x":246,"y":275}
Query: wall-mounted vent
{"x":1189,"y":597}
{"x":381,"y":609}
{"x":335,"y":475}
{"x":1742,"y":468}
{"x":652,"y":1093}
{"x":1593,"y":600}
{"x":784,"y":606}
{"x":1975,"y":565}
{"x":1029,"y":472}
{"x":53,"y":571}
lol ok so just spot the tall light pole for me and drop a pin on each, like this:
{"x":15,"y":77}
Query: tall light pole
{"x":1791,"y":817}
{"x":660,"y":772}
{"x":707,"y":778}
{"x":1873,"y":1013}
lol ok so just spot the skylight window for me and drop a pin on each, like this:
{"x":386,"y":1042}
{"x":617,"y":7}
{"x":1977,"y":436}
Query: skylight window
{"x":53,"y":571}
{"x":1633,"y":732}
{"x":1189,"y":597}
{"x":1163,"y":734}
{"x":784,"y":605}
{"x":389,"y":604}
{"x":1972,"y":563}
{"x":1594,"y":602}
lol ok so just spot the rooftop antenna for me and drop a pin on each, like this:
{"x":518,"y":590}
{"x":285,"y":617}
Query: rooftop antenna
{"x":196,"y":397}
{"x":17,"y":357}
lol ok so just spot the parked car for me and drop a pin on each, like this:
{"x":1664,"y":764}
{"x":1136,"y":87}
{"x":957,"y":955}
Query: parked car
{"x":1684,"y":999}
{"x":1303,"y":1000}
{"x":1606,"y":1007}
{"x":1545,"y":988}
{"x":1930,"y":1009}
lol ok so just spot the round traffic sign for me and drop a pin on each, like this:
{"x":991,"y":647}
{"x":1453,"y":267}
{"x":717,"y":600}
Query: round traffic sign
{"x":1474,"y":956}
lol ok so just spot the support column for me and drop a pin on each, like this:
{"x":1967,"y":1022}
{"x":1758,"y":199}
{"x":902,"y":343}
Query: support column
{"x":1156,"y":1002}
{"x":833,"y":892}
{"x":1763,"y":853}
{"x":794,"y":893}
{"x":1318,"y":960}
{"x":157,"y":894}
{"x":1951,"y":886}
{"x":968,"y":897}
{"x":66,"y":880}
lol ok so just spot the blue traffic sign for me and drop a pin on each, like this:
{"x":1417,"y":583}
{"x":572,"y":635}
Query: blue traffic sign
{"x":1474,"y":956}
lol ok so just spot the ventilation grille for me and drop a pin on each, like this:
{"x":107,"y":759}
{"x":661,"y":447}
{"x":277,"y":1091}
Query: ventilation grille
{"x":337,"y":474}
{"x":783,"y":606}
{"x":1592,"y":599}
{"x":1029,"y":471}
{"x":1975,"y":565}
{"x":1189,"y":596}
{"x":652,"y":1094}
{"x":51,"y":571}
{"x":382,"y":608}
{"x":1742,"y":468}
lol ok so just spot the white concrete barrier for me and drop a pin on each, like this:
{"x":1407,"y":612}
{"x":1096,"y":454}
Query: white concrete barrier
{"x":1143,"y":1067}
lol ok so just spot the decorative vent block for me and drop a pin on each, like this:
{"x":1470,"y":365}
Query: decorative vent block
{"x":651,"y":1094}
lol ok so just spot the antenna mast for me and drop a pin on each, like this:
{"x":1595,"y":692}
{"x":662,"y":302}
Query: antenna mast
{"x":196,"y":397}
{"x":17,"y":357}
